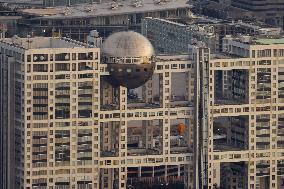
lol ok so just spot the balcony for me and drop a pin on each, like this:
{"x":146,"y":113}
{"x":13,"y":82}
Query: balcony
{"x":62,"y":185}
{"x":230,"y":133}
{"x":180,"y":150}
{"x":133,"y":106}
{"x":113,"y":153}
{"x":84,"y":184}
{"x":143,"y":151}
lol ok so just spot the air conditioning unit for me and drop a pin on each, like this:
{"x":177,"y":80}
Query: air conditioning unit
{"x":114,"y":5}
{"x":35,"y":58}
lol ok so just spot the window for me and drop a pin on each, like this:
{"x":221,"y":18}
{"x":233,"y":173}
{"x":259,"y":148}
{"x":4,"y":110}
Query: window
{"x":62,"y":67}
{"x":40,"y":68}
{"x":40,"y":57}
{"x":62,"y":57}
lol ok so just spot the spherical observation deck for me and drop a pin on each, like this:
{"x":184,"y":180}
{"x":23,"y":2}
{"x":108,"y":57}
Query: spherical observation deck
{"x":130,"y":59}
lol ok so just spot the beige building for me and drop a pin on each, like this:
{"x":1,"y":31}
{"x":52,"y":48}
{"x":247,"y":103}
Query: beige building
{"x":63,"y":126}
{"x":203,"y":119}
{"x":38,"y":105}
{"x":245,"y":143}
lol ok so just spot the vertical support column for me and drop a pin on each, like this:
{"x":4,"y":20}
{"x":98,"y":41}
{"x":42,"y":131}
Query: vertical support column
{"x":230,"y":127}
{"x":166,"y":137}
{"x":210,"y":169}
{"x":96,"y":152}
{"x":161,"y":88}
{"x":273,"y":171}
{"x":203,"y":118}
{"x":189,"y":132}
{"x":10,"y":132}
{"x":74,"y":92}
{"x":106,"y":145}
{"x":107,"y":93}
{"x":178,"y":170}
{"x":147,"y":134}
{"x":216,"y":174}
{"x":273,"y":127}
{"x":106,"y":177}
{"x":147,"y":90}
{"x":139,"y":172}
{"x":107,"y":98}
{"x":96,"y":130}
{"x":166,"y":173}
{"x":189,"y":136}
{"x":189,"y":181}
{"x":116,"y":131}
{"x":190,"y":85}
{"x":252,"y":131}
{"x":123,"y":138}
{"x":252,"y":146}
{"x":166,"y":90}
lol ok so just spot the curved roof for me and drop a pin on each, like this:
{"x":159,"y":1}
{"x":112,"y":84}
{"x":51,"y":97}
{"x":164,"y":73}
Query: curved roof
{"x":127,"y":44}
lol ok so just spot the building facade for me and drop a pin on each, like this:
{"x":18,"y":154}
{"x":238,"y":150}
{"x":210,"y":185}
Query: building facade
{"x":173,"y":38}
{"x":170,"y":37}
{"x":203,"y":119}
{"x":270,"y":11}
{"x":245,"y":123}
{"x":64,"y":126}
{"x":107,"y":17}
{"x":52,"y":3}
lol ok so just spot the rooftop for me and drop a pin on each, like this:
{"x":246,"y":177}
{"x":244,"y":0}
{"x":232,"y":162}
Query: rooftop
{"x":127,"y":44}
{"x":268,"y":41}
{"x":42,"y":42}
{"x":106,"y":9}
{"x":42,"y":11}
{"x":27,"y":2}
{"x":223,"y":55}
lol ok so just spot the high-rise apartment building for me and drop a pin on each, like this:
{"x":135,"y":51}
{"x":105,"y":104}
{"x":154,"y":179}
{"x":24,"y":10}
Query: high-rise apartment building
{"x":48,"y":87}
{"x":245,"y":140}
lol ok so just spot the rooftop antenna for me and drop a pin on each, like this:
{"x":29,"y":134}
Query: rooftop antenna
{"x":128,"y":24}
{"x":29,"y":41}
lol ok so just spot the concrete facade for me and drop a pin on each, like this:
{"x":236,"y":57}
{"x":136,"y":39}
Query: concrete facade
{"x":64,"y":126}
{"x":69,"y":128}
{"x":270,"y":11}
{"x":170,"y":37}
{"x":251,"y":118}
